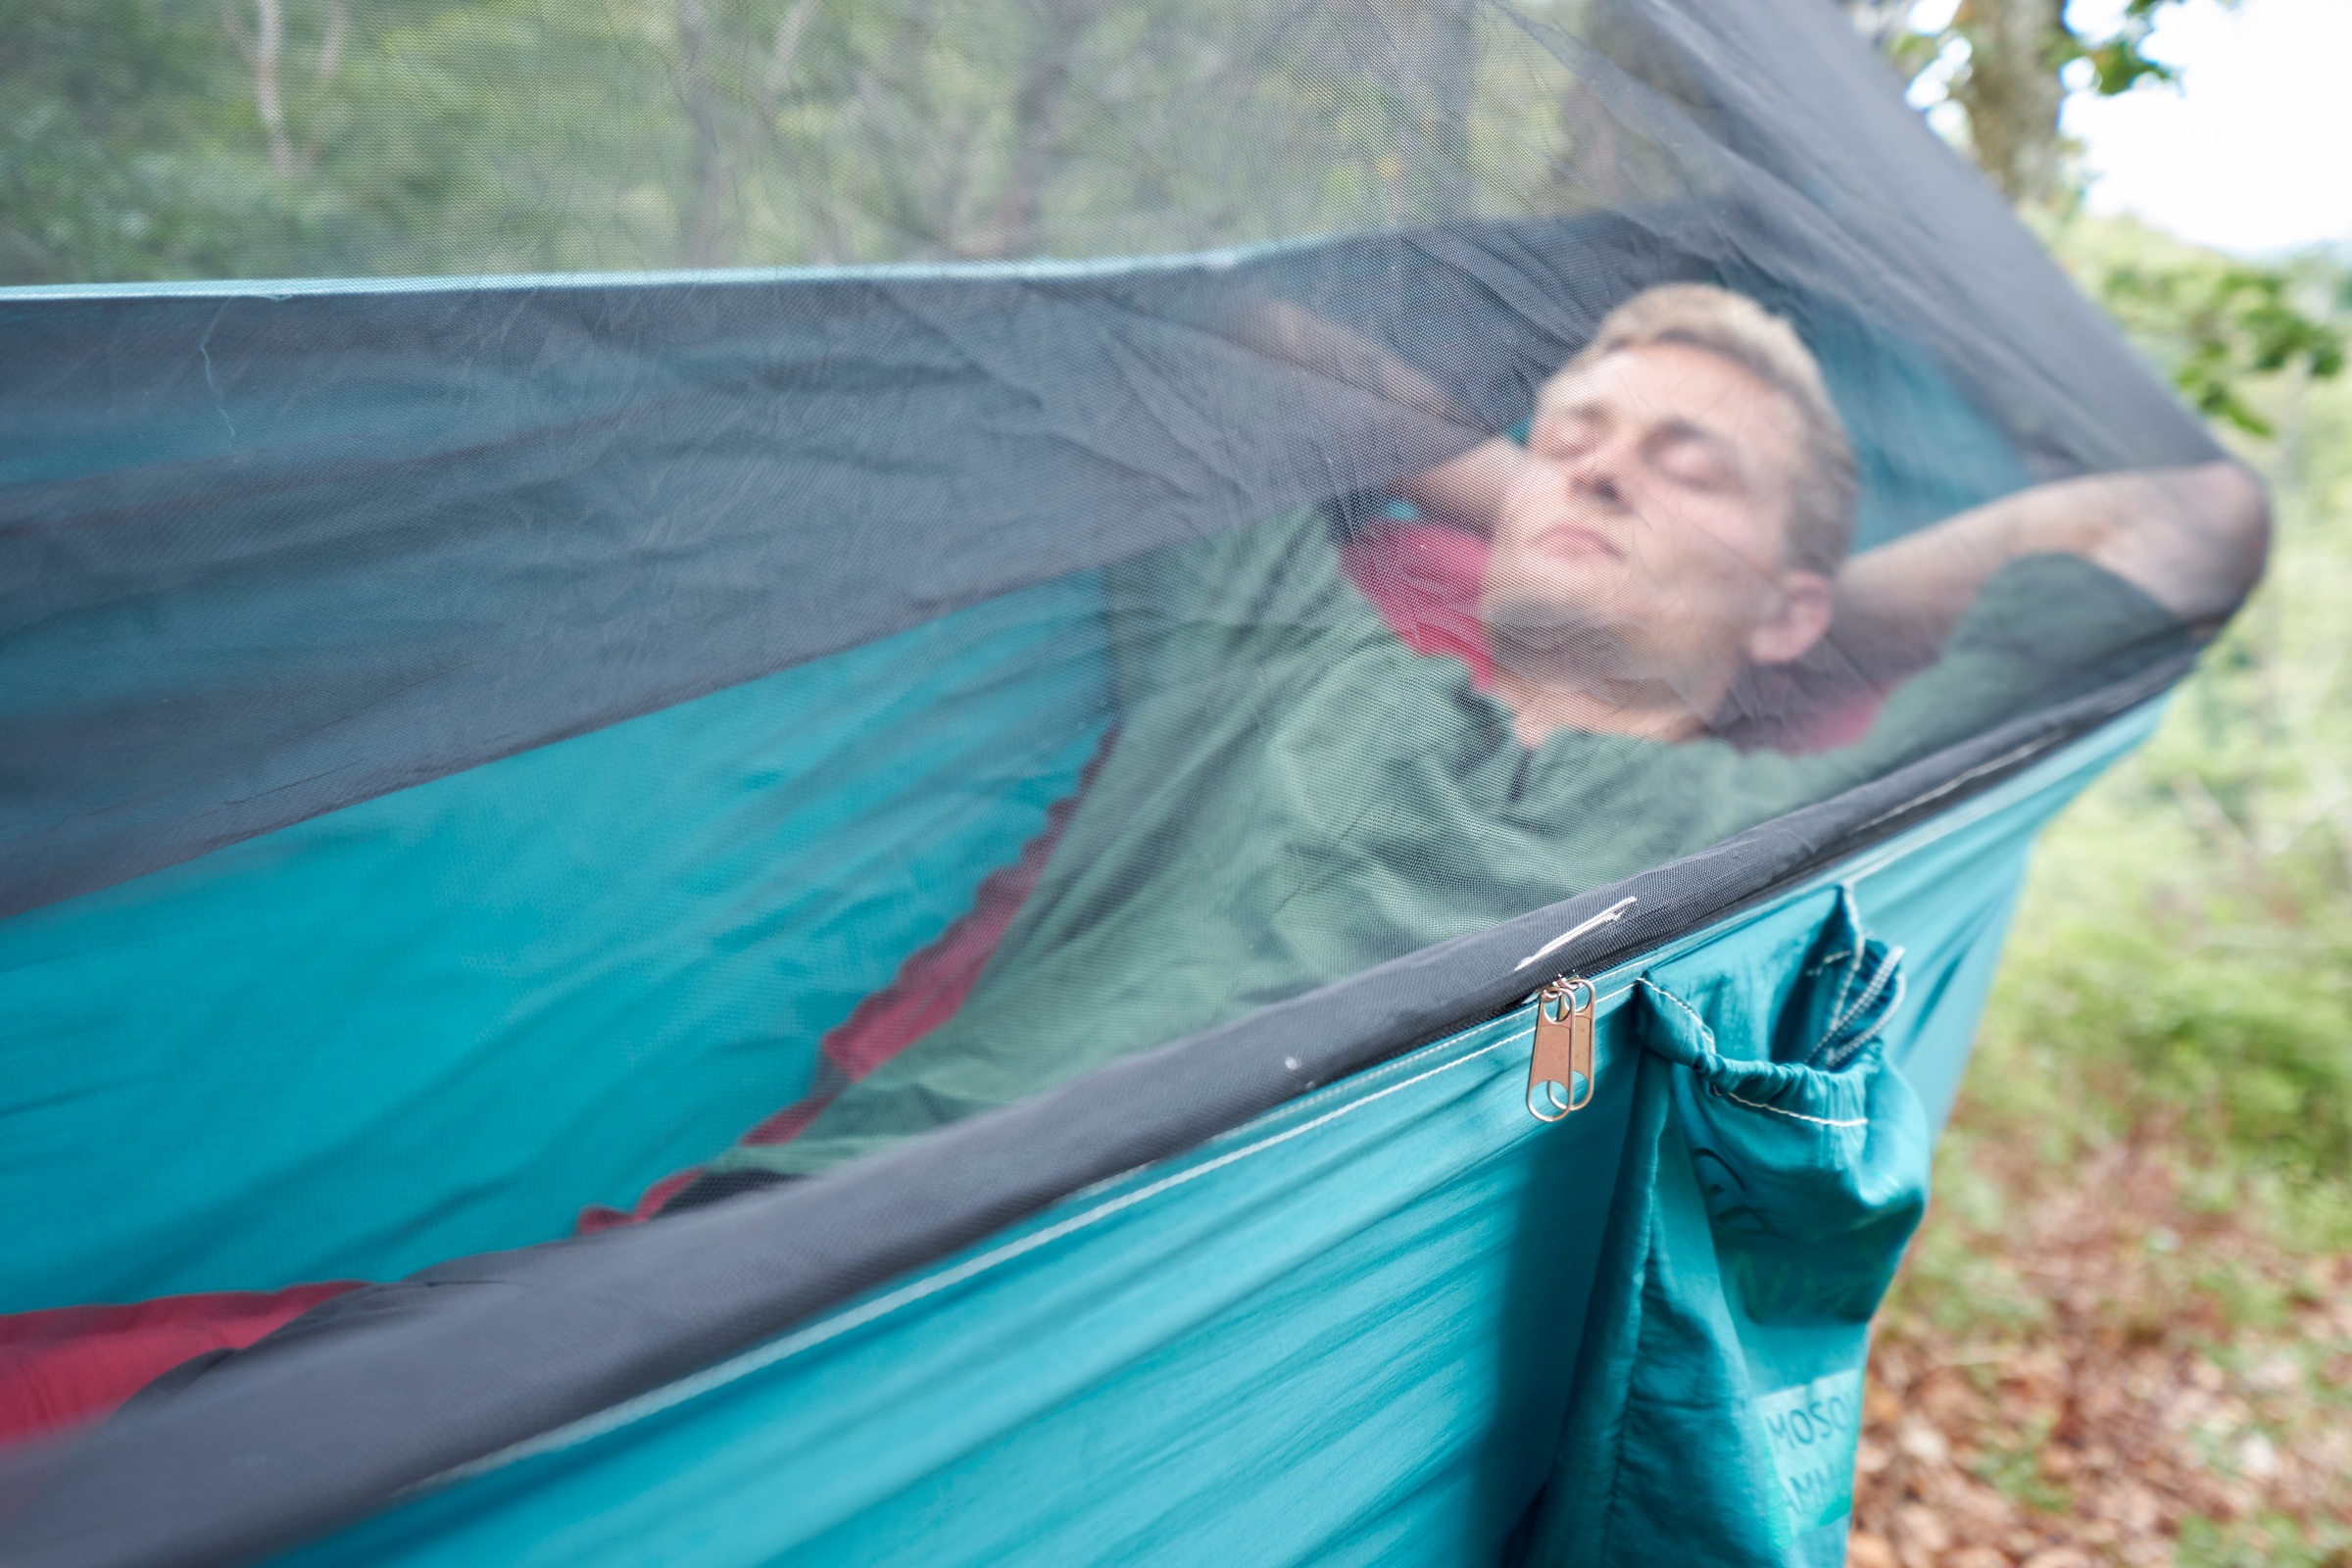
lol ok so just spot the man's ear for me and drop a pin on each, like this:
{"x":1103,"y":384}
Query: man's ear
{"x":1798,"y":622}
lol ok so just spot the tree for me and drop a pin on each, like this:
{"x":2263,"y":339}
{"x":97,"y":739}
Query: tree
{"x":2222,"y":326}
{"x":2008,"y":65}
{"x":2215,"y":327}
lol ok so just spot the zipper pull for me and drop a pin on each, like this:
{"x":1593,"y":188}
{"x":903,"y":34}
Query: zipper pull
{"x":1559,"y":1076}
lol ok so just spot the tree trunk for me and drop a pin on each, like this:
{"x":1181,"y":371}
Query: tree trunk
{"x":1012,"y":228}
{"x":701,"y":213}
{"x":2012,"y":92}
{"x":1447,"y":75}
{"x":268,"y":48}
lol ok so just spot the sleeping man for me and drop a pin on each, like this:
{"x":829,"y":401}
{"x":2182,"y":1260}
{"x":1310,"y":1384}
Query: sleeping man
{"x":1294,"y":794}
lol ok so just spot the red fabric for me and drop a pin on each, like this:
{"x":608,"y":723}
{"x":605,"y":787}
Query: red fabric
{"x":74,"y":1363}
{"x":77,"y":1363}
{"x":603,"y":1216}
{"x":1837,"y":723}
{"x":1425,"y":581}
{"x":930,"y":985}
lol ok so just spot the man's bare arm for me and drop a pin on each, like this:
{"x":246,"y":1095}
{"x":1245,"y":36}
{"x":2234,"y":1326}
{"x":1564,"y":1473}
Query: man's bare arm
{"x":1466,"y":490}
{"x":2193,"y":539}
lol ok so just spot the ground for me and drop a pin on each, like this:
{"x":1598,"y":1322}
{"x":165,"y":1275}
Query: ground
{"x":2124,"y":1333}
{"x":2186,"y":1397}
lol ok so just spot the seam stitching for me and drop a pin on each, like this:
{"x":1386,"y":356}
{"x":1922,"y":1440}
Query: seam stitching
{"x":629,"y":1412}
{"x":1792,"y":1116}
{"x":1688,"y":1011}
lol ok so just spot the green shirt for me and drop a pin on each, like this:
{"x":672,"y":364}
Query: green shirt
{"x":1294,"y":796}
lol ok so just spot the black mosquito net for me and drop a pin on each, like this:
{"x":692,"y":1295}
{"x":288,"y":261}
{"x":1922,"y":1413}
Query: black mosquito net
{"x":731,"y":584}
{"x":1408,"y":603}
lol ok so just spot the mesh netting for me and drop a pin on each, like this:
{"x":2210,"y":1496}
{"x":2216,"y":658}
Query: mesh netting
{"x":717,"y":619}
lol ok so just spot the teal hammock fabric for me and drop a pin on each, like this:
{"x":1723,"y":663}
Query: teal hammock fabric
{"x":613,"y":954}
{"x":617,"y":950}
{"x":466,"y":739}
{"x":1763,"y":1209}
{"x":1348,"y":1332}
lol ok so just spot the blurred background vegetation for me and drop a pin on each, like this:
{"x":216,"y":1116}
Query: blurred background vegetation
{"x":302,"y":139}
{"x":2125,"y":1333}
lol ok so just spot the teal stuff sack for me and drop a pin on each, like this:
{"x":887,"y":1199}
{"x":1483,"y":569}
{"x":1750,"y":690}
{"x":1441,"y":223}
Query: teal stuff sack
{"x":1775,"y":1167}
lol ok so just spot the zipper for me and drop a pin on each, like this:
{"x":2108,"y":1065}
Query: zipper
{"x":1559,"y":1075}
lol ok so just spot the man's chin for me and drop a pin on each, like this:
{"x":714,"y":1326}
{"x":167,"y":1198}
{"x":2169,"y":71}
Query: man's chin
{"x":1554,"y":643}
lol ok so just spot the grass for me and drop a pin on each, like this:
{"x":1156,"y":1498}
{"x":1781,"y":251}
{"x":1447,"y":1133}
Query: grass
{"x":2124,"y":1333}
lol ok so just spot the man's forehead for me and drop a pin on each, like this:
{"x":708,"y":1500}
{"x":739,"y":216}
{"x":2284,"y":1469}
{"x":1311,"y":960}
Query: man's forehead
{"x":1661,"y":382}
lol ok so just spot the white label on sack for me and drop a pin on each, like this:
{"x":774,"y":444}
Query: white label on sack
{"x":1813,"y":1429}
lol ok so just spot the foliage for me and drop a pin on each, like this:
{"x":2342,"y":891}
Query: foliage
{"x":2218,"y":326}
{"x":158,"y":138}
{"x":2007,"y":65}
{"x":2184,"y":957}
{"x":2226,"y":322}
{"x":2230,"y":916}
{"x":2120,"y":61}
{"x":114,"y":149}
{"x":2134,"y":1287}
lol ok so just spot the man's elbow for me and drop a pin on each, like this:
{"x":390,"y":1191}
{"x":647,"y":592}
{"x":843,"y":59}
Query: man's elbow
{"x":2193,"y":539}
{"x":2237,"y":508}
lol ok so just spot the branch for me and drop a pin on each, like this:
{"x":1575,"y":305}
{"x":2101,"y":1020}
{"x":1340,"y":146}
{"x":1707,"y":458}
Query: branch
{"x":269,"y":44}
{"x":791,"y":27}
{"x":330,"y":47}
{"x":235,"y":30}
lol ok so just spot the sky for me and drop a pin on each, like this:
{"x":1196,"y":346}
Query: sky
{"x":2253,"y":152}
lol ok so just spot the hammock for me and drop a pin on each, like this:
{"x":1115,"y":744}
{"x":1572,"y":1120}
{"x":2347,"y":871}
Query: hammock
{"x":913,"y":909}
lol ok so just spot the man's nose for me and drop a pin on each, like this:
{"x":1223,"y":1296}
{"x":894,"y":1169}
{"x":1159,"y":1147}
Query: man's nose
{"x":1598,"y":473}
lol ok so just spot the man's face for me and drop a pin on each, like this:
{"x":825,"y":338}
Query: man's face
{"x":1645,"y":546}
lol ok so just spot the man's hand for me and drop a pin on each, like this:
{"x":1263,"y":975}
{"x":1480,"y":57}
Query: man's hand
{"x":1281,"y":331}
{"x":1465,"y":490}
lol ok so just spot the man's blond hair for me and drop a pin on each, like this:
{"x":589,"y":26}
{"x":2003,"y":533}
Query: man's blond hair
{"x":1734,"y":328}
